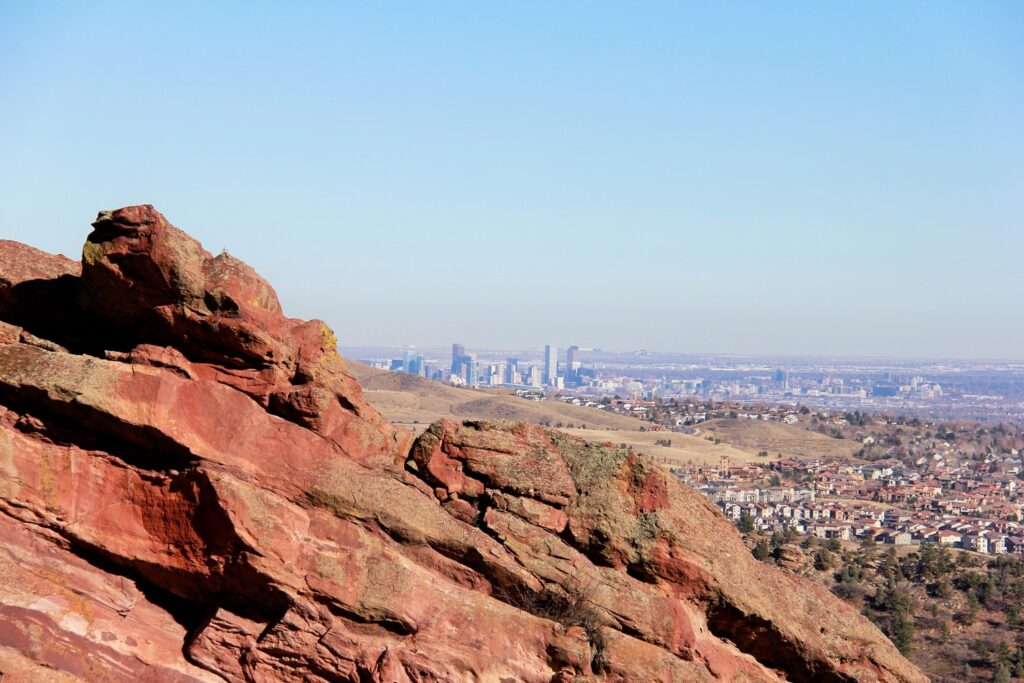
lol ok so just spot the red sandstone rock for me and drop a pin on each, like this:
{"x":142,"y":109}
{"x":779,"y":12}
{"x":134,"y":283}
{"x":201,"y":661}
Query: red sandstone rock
{"x":22,"y":263}
{"x":226,"y":320}
{"x":9,"y":334}
{"x":192,"y":487}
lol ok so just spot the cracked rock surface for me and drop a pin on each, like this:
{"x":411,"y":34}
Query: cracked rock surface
{"x":193,"y":488}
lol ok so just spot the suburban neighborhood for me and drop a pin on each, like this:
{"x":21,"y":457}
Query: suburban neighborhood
{"x":974,"y":506}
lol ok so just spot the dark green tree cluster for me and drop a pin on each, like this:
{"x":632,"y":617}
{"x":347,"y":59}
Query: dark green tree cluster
{"x":1007,"y":663}
{"x":933,"y":562}
{"x":849,"y":578}
{"x":824,"y":559}
{"x":1006,"y":575}
{"x":762,"y":550}
{"x":896,"y":602}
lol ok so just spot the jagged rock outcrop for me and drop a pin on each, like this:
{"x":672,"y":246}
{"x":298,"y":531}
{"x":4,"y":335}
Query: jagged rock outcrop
{"x":192,"y":487}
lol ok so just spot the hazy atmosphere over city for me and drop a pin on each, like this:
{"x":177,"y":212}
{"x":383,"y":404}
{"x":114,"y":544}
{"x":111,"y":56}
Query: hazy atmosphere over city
{"x":784,"y":178}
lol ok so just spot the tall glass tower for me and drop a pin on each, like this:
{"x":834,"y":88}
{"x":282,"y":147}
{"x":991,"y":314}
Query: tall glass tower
{"x":550,"y":364}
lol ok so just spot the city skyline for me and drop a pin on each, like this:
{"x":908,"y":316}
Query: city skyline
{"x":967,"y":388}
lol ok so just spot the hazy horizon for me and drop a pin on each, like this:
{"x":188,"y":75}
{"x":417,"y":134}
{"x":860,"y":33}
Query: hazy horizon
{"x":538,"y":349}
{"x":792,"y":179}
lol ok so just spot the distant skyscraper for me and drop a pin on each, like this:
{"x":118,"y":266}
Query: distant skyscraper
{"x":550,"y":364}
{"x":463,"y":366}
{"x":572,"y":360}
{"x":512,"y":371}
{"x":495,"y":374}
{"x":469,"y":369}
{"x":457,"y":351}
{"x":421,"y":365}
{"x":572,"y":366}
{"x":405,"y":361}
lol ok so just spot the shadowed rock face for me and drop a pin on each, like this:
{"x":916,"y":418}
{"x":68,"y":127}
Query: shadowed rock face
{"x":192,"y":487}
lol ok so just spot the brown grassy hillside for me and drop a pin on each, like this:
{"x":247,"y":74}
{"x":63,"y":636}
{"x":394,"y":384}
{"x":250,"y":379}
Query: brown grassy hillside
{"x":416,"y":402}
{"x":683,"y":450}
{"x":776,"y":437}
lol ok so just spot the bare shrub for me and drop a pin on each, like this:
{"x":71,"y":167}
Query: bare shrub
{"x":568,"y":605}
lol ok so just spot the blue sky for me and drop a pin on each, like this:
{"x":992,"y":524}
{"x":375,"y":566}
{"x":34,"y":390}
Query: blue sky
{"x":797,"y":178}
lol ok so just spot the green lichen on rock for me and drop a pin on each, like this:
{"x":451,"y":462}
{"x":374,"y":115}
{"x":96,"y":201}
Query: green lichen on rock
{"x":648,"y":529}
{"x":591,"y":465}
{"x":93,"y":253}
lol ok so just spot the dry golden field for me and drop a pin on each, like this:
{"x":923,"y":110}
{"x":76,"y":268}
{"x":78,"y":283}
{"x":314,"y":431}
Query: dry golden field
{"x":684,"y":449}
{"x":776,"y":437}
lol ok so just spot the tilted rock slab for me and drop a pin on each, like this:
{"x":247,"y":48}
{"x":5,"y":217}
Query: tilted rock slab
{"x":193,"y":488}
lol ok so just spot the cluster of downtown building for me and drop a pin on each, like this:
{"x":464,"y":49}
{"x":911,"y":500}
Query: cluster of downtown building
{"x":466,"y":369}
{"x":567,"y":372}
{"x":971,"y":390}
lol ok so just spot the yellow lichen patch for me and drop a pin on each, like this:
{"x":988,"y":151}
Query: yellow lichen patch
{"x":325,"y":367}
{"x":330,"y":340}
{"x":77,"y":603}
{"x":336,"y":505}
{"x":93,"y":253}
